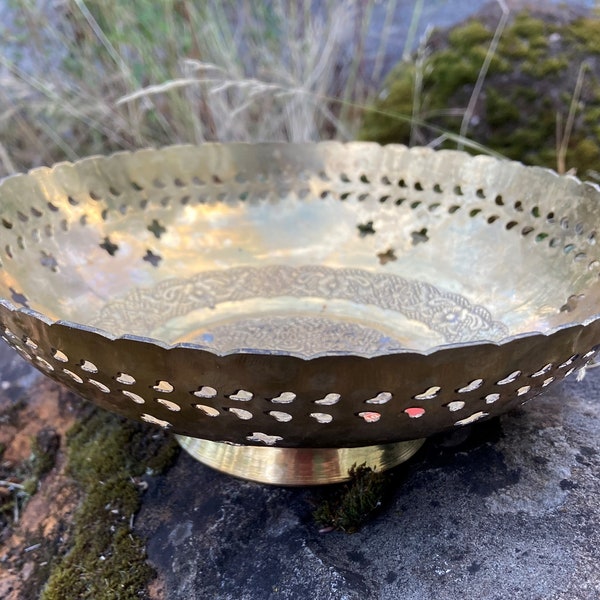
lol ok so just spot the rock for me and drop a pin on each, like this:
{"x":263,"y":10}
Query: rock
{"x":538,"y":103}
{"x":511,"y":512}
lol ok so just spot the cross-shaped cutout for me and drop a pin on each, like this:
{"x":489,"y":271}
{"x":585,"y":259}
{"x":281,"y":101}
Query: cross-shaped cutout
{"x":387,"y":256}
{"x":156,"y":228}
{"x":152,"y":258}
{"x":109,"y":246}
{"x":18,"y":298}
{"x":365,"y":229}
{"x":48,"y":260}
{"x":419,"y":237}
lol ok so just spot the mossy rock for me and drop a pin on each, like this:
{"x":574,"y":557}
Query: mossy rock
{"x":524,"y":104}
{"x":107,"y":457}
{"x":351,"y":505}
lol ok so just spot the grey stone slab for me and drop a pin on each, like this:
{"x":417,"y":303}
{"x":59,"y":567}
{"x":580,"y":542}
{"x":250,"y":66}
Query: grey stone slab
{"x":510,"y":512}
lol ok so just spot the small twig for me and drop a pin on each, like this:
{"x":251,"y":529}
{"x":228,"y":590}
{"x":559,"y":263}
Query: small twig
{"x":564,"y":137}
{"x":11,"y":484}
{"x":464,"y":126}
{"x":422,"y":54}
{"x":384,"y":39}
{"x":6,"y":161}
{"x":412,"y":29}
{"x":87,"y":15}
{"x":438,"y":141}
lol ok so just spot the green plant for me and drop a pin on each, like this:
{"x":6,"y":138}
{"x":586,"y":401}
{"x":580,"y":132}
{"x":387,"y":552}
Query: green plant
{"x":351,"y":506}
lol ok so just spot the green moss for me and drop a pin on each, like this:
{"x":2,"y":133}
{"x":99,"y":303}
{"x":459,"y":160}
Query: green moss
{"x":515,"y":48}
{"x":453,"y":70}
{"x":531,"y":29}
{"x":392,"y":126}
{"x":525,"y":39}
{"x":592,"y":116}
{"x":107,"y":560}
{"x":449,"y":70}
{"x":500,"y":109}
{"x":525,"y":93}
{"x":349,"y":508}
{"x":546,"y":68}
{"x":586,"y":32}
{"x":470,"y":34}
{"x":585,"y":154}
{"x":525,"y":100}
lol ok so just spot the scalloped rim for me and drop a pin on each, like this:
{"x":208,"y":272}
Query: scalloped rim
{"x":193,"y":346}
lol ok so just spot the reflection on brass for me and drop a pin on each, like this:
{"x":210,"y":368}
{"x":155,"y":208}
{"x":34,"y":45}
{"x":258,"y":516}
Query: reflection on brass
{"x":296,"y":466}
{"x":305,"y":296}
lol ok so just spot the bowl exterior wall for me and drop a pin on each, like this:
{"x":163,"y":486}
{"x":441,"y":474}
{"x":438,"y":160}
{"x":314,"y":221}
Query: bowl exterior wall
{"x":329,"y":401}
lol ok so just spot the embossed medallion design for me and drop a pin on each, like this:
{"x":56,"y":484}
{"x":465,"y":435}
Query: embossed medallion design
{"x":451,"y":316}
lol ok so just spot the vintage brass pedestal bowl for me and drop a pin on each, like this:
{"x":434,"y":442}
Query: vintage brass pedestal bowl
{"x":289,"y":310}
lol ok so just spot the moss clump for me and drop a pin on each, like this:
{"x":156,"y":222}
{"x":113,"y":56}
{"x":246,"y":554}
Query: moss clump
{"x":527,"y":95}
{"x":389,"y":121}
{"x":546,"y":67}
{"x":586,"y":151}
{"x":586,"y":33}
{"x":348,"y":509}
{"x":469,"y":34}
{"x":529,"y":29}
{"x":459,"y":64}
{"x":106,"y":559}
{"x":500,"y":108}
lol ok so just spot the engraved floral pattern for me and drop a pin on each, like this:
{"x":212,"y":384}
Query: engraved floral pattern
{"x":315,"y":334}
{"x":449,"y":315}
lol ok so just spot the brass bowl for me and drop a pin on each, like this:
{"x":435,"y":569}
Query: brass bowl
{"x":290,"y":309}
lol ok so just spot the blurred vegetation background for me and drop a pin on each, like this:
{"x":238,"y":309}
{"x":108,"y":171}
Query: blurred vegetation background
{"x":132,"y":73}
{"x":84,"y":77}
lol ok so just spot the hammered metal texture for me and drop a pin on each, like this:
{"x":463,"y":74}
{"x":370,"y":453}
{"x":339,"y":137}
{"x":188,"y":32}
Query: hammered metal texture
{"x":313,"y":295}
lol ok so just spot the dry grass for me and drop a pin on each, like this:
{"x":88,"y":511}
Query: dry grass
{"x":563,"y":135}
{"x":128,"y":74}
{"x":101,"y":75}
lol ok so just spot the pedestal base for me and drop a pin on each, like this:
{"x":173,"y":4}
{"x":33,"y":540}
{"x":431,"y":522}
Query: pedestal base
{"x":296,"y":466}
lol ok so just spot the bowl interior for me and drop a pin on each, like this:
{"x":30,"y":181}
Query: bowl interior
{"x":302,"y":249}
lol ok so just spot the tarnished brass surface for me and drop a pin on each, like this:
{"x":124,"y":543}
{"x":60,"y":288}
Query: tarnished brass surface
{"x":301,"y":296}
{"x":296,"y":466}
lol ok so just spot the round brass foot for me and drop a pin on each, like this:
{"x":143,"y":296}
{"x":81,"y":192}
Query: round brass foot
{"x":296,"y":466}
